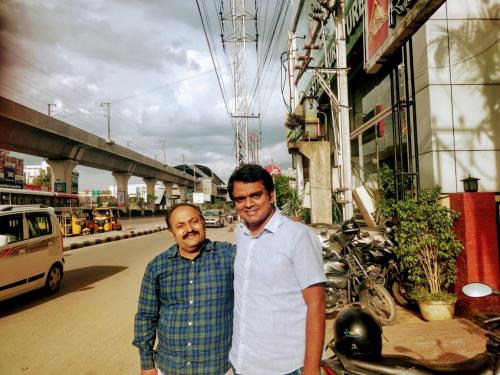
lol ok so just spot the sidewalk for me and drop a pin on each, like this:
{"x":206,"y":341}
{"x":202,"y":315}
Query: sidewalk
{"x":431,"y":342}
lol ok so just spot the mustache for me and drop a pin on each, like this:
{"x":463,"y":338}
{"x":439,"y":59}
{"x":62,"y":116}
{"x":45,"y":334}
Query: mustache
{"x":189,"y":233}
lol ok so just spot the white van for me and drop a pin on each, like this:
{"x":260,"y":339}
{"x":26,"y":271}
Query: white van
{"x":31,"y":250}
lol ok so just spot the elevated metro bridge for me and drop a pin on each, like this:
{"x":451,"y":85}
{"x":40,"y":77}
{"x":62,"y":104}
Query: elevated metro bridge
{"x":65,"y":146}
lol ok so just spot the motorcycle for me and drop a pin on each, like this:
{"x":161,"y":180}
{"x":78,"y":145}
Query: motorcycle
{"x":357,"y":347}
{"x":348,"y":281}
{"x":380,"y":261}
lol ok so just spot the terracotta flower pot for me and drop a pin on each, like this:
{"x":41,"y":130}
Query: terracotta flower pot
{"x":437,"y":310}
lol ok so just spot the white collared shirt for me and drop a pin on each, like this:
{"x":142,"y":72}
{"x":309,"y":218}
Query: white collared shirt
{"x":270,"y":272}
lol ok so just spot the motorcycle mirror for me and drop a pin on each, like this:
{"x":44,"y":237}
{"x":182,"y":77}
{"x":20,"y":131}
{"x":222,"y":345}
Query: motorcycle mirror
{"x":477,"y":290}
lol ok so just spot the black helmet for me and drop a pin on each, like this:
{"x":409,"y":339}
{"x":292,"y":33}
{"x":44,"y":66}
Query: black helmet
{"x":350,"y":227}
{"x":358,"y":333}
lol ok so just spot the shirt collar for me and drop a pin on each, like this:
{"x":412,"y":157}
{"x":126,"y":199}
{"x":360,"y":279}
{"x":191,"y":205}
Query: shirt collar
{"x":207,"y":245}
{"x":271,"y":226}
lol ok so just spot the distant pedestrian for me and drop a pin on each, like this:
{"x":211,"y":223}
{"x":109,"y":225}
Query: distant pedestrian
{"x":279,"y":307}
{"x":186,"y":300}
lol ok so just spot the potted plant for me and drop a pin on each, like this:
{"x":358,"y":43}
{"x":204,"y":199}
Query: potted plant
{"x":427,"y":251}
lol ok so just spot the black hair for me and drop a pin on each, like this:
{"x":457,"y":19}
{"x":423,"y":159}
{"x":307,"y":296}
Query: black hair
{"x":250,"y":173}
{"x":176,"y":206}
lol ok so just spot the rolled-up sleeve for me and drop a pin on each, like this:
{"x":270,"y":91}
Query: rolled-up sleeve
{"x":146,"y":319}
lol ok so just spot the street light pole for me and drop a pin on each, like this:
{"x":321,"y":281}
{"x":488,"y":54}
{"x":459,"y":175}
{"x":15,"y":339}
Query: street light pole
{"x":50,"y":106}
{"x":108,"y":108}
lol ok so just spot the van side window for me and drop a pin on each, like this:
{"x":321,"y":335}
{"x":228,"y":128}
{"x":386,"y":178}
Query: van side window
{"x":12,"y":227}
{"x":38,"y":224}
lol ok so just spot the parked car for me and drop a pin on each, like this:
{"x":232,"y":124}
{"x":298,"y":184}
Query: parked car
{"x":106,"y":219}
{"x":214,"y":218}
{"x":31,"y":250}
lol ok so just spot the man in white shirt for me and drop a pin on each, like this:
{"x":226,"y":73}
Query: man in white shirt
{"x":279,"y":308}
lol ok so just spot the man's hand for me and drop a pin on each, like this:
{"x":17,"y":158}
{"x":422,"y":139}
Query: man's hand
{"x":151,"y":371}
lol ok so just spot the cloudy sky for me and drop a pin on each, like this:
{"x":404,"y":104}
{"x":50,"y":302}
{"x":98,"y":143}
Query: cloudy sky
{"x":150,"y":61}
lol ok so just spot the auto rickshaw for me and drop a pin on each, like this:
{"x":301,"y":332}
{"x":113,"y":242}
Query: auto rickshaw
{"x":90,"y":226}
{"x":106,"y":219}
{"x":72,"y":221}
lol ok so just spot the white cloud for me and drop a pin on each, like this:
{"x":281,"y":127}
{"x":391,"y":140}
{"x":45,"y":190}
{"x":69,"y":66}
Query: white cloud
{"x":148,"y":59}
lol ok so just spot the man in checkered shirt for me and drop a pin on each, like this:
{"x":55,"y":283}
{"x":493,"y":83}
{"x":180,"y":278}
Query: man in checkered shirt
{"x":186,"y":300}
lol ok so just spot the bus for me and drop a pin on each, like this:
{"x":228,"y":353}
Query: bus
{"x":22,"y":196}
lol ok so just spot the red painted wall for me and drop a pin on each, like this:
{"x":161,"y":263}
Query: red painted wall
{"x":477,"y":230}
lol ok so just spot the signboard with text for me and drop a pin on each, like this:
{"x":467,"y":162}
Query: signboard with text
{"x":11,"y":171}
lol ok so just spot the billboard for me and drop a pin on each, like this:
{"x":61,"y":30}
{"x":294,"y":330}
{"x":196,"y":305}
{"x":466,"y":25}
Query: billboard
{"x":120,"y":198}
{"x":11,"y":171}
{"x":377,"y":25}
{"x":389,"y":24}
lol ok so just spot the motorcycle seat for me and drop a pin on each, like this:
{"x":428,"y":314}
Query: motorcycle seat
{"x":481,"y":364}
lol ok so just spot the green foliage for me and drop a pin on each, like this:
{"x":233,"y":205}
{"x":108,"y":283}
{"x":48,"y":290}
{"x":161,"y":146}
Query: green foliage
{"x":423,"y":295}
{"x":392,"y":188}
{"x":283,"y":190}
{"x":44,"y":178}
{"x":387,"y":186}
{"x":427,"y":249}
{"x":293,"y":207}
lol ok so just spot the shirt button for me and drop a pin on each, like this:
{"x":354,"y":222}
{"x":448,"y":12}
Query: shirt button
{"x":191,"y":302}
{"x":192,"y":262}
{"x":189,"y":344}
{"x":188,"y":363}
{"x":190,"y":281}
{"x":190,"y":324}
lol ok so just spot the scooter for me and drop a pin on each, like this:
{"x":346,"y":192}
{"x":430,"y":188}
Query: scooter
{"x":357,"y":348}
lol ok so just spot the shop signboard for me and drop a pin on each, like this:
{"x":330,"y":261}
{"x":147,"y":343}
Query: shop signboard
{"x":389,"y":24}
{"x":11,"y":171}
{"x":376,"y":25}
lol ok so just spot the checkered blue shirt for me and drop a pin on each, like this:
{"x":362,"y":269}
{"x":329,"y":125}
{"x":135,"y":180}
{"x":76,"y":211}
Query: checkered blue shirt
{"x":189,"y":306}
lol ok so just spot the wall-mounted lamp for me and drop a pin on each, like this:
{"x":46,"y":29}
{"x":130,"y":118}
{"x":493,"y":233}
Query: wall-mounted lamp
{"x":470,"y":184}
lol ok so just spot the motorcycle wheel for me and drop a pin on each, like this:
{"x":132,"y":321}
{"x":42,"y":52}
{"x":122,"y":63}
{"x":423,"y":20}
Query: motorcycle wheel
{"x":400,"y":294}
{"x":380,"y":302}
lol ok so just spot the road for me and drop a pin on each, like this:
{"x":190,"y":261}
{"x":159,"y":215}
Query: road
{"x":87,"y":327}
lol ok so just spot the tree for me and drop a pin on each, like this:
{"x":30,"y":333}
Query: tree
{"x":282,"y":189}
{"x":44,"y":178}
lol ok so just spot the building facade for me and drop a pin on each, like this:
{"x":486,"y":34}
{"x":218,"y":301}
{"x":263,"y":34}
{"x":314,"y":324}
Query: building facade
{"x":422,"y":88}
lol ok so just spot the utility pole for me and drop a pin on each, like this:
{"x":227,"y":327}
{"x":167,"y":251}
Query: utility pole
{"x":344,"y":109}
{"x":162,"y":143}
{"x":108,"y":109}
{"x":183,"y":163}
{"x":239,"y":16}
{"x":50,"y":106}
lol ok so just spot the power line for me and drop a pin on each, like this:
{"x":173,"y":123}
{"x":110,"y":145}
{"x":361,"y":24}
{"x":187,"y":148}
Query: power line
{"x":213,"y":61}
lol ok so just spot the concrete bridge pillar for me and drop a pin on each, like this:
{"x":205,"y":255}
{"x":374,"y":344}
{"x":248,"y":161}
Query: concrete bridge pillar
{"x":168,"y":193}
{"x":62,"y":171}
{"x":320,"y":180}
{"x":150,"y":188}
{"x":121,"y":179}
{"x":182,"y":193}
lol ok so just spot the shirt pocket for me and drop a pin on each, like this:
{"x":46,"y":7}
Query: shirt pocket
{"x":173,"y":285}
